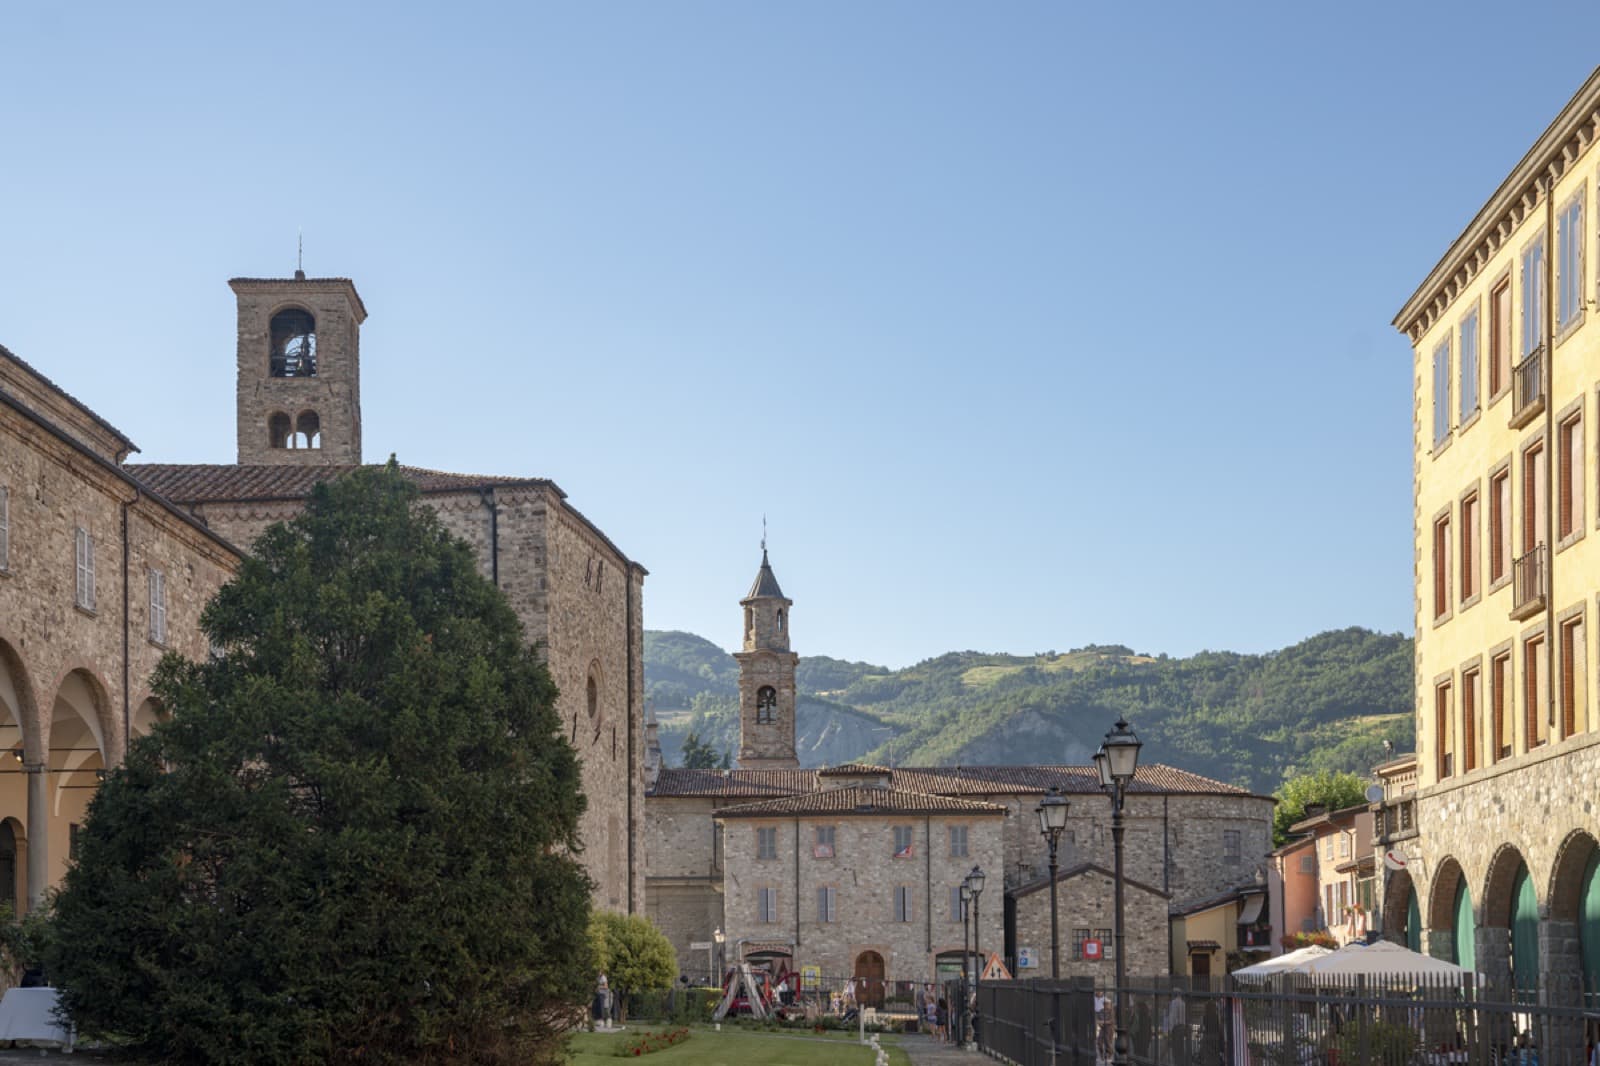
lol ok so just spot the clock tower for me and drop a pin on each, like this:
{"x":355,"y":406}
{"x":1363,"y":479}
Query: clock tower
{"x":766,"y":677}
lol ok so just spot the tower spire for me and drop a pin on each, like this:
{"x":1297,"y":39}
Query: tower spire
{"x":300,"y":254}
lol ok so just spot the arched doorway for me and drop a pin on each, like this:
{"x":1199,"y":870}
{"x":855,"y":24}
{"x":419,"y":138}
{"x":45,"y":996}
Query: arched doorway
{"x":1452,"y":928}
{"x":1575,"y":911}
{"x":80,"y":730}
{"x":1524,"y":936}
{"x":869,"y":979}
{"x":1510,"y":948}
{"x":1399,"y":905}
{"x":16,"y":706}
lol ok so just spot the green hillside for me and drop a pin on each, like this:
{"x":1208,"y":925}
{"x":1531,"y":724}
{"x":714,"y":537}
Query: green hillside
{"x":1328,"y":702}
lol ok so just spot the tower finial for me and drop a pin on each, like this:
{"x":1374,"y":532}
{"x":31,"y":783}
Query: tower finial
{"x":300,"y":255}
{"x":763,"y":535}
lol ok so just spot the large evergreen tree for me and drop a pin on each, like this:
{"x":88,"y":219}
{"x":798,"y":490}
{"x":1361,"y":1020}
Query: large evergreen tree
{"x":353,"y":839}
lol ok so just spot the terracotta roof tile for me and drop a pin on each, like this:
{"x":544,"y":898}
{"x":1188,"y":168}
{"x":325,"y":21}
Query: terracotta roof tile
{"x":938,"y":781}
{"x":851,"y":768}
{"x":230,"y":482}
{"x":863,"y":800}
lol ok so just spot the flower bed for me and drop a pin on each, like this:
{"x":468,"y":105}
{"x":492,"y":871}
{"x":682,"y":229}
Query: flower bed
{"x":645,"y":1043}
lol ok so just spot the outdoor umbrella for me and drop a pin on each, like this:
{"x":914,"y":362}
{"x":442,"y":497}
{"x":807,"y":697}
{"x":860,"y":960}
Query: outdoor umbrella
{"x":1381,"y":959}
{"x":1288,"y":962}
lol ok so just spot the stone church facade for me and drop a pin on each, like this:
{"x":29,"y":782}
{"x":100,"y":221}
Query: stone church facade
{"x":852,"y":869}
{"x":578,"y":596}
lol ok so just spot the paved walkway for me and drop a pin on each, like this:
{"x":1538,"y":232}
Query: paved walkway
{"x":924,"y":1050}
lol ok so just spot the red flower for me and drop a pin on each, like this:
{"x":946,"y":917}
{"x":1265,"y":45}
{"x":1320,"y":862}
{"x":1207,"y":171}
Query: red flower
{"x":637,"y":1051}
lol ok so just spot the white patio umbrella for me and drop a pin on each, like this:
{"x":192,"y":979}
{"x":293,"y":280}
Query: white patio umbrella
{"x":1383,"y":958}
{"x":1288,"y":962}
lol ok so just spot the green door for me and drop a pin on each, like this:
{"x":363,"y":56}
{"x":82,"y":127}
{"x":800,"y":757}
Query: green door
{"x":1589,"y":923}
{"x":1414,"y":923}
{"x":1466,"y":949}
{"x":1524,"y":935}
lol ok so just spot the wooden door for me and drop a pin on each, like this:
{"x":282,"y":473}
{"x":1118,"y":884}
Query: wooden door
{"x":869,"y":979}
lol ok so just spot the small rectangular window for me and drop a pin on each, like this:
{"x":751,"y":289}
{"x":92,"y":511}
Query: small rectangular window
{"x":902,"y":903}
{"x":1500,"y":338}
{"x":902,"y":842}
{"x":1469,"y":547}
{"x":1569,"y":487}
{"x":1308,"y":864}
{"x":158,"y":607}
{"x":1569,"y":264}
{"x":1078,"y":937}
{"x":85,"y":583}
{"x":1533,"y":296}
{"x":1535,"y":692}
{"x":958,"y":842}
{"x":5,"y":527}
{"x":1469,"y":365}
{"x":1444,"y":728}
{"x":1108,"y":943}
{"x":825,"y":904}
{"x":1471,"y":707}
{"x":823,"y":846}
{"x":1344,"y":845}
{"x":1574,"y":686}
{"x":766,"y":905}
{"x":1441,"y":566}
{"x":1500,"y":696}
{"x":766,"y":843}
{"x":1499,"y":526}
{"x":1441,"y":392}
{"x":1231,"y":851}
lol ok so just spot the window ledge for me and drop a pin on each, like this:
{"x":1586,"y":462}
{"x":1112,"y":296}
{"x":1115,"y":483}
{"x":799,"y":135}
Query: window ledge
{"x":1440,"y":447}
{"x":1505,"y":390}
{"x":1441,"y":619}
{"x":86,"y":611}
{"x":1570,"y":539}
{"x":1472,"y":420}
{"x":1565,"y":331}
{"x":1470,"y":601}
{"x":1500,"y":582}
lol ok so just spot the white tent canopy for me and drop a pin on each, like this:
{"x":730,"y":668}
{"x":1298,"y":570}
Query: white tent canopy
{"x":1381,"y":959}
{"x":1289,"y":962}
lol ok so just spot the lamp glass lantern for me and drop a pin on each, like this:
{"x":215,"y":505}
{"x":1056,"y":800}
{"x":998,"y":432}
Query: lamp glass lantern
{"x":976,"y":879}
{"x":1122,"y":752}
{"x":1102,"y":766}
{"x":1052,"y":811}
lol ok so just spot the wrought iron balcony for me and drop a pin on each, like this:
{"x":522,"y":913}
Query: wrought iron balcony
{"x":1527,"y":388}
{"x":1528,"y":584}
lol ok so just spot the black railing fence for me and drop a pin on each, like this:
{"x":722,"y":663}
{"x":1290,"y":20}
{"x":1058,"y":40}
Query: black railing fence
{"x":1296,"y":1021}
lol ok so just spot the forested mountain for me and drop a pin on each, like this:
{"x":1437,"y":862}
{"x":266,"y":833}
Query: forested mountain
{"x":1328,"y":702}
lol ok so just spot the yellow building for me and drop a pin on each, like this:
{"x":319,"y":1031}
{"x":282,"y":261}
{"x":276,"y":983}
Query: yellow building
{"x":1506,"y":344}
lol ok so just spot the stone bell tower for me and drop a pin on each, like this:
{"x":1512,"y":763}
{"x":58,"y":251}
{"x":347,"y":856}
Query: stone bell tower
{"x":766,"y":677}
{"x":299,"y":393}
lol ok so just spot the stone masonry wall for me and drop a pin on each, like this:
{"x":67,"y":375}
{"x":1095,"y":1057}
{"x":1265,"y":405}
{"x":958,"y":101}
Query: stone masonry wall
{"x":864,"y":875}
{"x":1087,"y":901}
{"x":63,"y":669}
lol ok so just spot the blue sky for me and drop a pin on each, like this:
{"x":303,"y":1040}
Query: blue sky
{"x":1026,"y":325}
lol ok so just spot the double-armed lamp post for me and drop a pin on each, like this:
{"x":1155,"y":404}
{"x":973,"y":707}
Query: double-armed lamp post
{"x":966,"y":957}
{"x":972,"y":888}
{"x":1116,"y":762}
{"x":1052,"y":811}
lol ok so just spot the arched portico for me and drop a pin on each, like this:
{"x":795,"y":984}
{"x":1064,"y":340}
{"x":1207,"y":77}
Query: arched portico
{"x":1402,"y":919}
{"x":18,"y":712}
{"x":1508,"y":940}
{"x":81,"y":733}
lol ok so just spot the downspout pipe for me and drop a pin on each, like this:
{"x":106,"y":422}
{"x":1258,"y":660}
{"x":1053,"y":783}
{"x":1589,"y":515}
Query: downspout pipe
{"x":493,"y":507}
{"x":127,"y":665}
{"x":635,"y":722}
{"x":1547,"y":372}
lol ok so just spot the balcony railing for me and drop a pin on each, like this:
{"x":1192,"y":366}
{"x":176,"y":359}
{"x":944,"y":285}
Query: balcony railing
{"x":1528,"y":584}
{"x":1527,"y":388}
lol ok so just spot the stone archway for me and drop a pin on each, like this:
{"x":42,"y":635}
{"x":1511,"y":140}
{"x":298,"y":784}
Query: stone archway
{"x":1508,"y":942}
{"x":1573,"y":916}
{"x":81,"y":733}
{"x":1451,"y":932}
{"x":1402,"y":921}
{"x":17,"y":706}
{"x":869,"y":974}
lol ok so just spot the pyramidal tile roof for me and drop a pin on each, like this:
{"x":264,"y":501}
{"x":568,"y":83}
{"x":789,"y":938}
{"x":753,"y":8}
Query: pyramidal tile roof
{"x":862,"y":800}
{"x":851,"y":769}
{"x":765,"y":585}
{"x":231,"y":482}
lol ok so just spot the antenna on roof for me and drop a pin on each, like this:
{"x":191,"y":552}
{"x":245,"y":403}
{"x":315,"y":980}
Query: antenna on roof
{"x":763,"y":534}
{"x":300,"y":254}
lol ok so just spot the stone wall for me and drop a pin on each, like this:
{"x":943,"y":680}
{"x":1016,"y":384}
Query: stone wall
{"x":864,"y":875}
{"x":1086,"y":900}
{"x":767,"y":744}
{"x":74,"y":681}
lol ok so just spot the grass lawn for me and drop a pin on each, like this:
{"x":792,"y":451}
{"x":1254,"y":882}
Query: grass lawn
{"x":734,"y":1048}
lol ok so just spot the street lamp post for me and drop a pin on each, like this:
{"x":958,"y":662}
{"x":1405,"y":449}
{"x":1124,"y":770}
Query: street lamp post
{"x":975,"y":879}
{"x":1116,"y":762}
{"x":1052,"y":811}
{"x":966,"y":941}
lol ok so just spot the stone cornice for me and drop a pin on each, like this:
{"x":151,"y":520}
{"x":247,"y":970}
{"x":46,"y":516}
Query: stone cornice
{"x":1563,"y":141}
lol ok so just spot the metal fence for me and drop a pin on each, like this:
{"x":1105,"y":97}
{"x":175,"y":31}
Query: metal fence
{"x":1295,"y":1021}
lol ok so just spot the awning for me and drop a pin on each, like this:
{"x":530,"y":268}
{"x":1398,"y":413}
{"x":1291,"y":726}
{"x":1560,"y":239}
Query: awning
{"x":1252,"y":909}
{"x":1204,"y":945}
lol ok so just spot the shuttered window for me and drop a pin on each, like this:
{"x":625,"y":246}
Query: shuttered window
{"x":1469,"y":366}
{"x":826,"y":899}
{"x":1471,"y":702}
{"x":1444,"y":729}
{"x":85,"y":583}
{"x":1469,"y":547}
{"x":1500,"y":696}
{"x":1500,"y":338}
{"x":1499,"y":526}
{"x":766,"y":905}
{"x":1574,"y":694}
{"x":1534,"y":692}
{"x":1569,"y":494}
{"x":902,"y":903}
{"x":1569,"y":264}
{"x":1441,"y":392}
{"x":1441,"y":566}
{"x":1533,"y":295}
{"x":1535,"y":490}
{"x":158,"y":606}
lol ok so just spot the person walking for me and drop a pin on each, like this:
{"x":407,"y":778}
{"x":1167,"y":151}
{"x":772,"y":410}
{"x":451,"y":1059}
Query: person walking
{"x":1177,"y":1029}
{"x":941,"y":1020}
